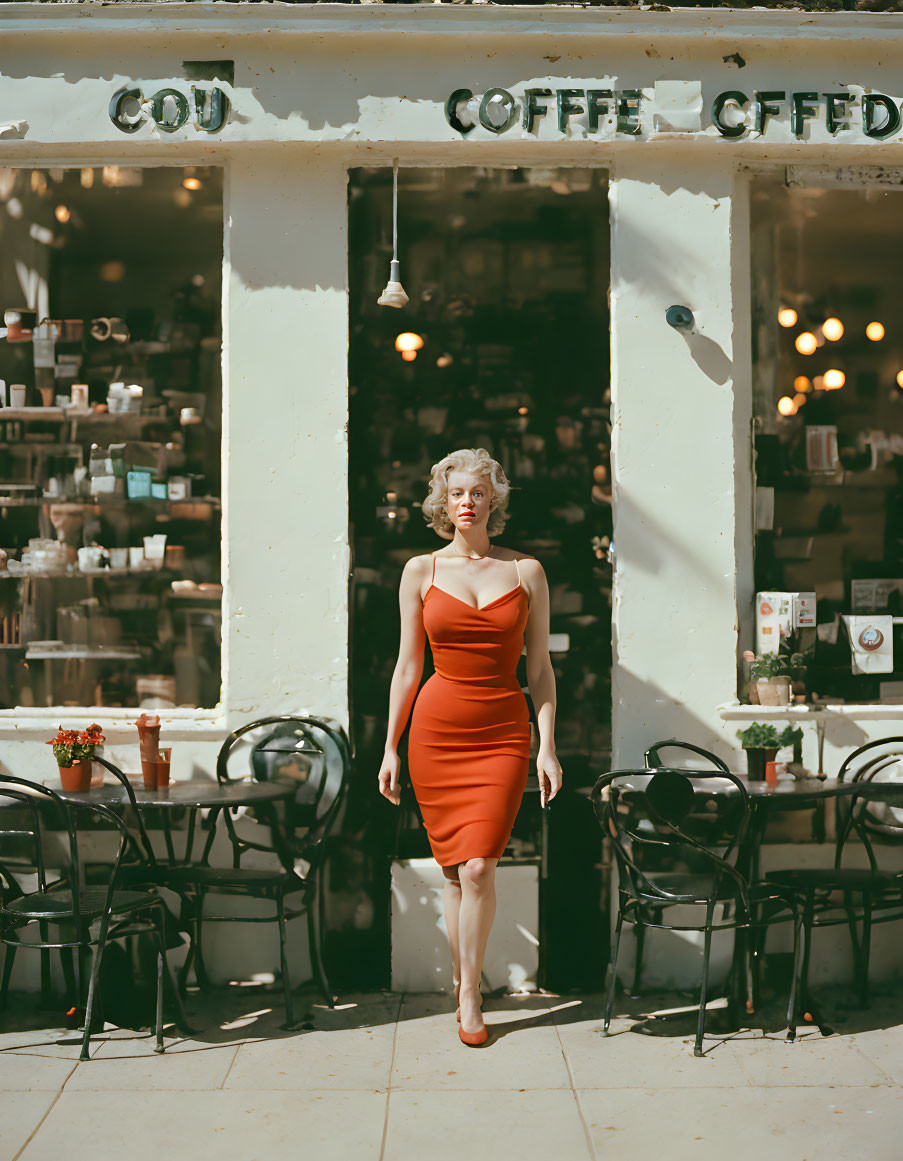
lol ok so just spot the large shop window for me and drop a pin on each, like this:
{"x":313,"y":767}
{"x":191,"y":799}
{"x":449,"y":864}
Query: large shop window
{"x":110,"y":436}
{"x":828,"y":402}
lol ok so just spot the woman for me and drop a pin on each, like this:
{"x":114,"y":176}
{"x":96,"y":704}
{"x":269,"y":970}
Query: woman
{"x":469,"y":743}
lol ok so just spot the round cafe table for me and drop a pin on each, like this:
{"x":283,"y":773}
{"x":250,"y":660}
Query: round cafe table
{"x":192,"y":794}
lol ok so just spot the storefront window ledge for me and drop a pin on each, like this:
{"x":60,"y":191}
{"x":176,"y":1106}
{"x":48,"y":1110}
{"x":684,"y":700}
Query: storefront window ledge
{"x":31,"y":724}
{"x":735,"y":712}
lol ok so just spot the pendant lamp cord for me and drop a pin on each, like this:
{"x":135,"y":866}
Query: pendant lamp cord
{"x":395,"y":210}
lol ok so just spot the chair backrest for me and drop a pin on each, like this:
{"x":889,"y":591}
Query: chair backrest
{"x":31,"y":810}
{"x":312,"y":752}
{"x":651,"y":756}
{"x":869,"y":814}
{"x":662,"y":819}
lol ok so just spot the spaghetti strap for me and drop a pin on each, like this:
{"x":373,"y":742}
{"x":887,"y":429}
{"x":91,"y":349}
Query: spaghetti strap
{"x":433,"y":577}
{"x":517,"y":570}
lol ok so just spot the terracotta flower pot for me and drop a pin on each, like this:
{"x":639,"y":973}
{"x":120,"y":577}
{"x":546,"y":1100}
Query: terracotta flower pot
{"x":773,"y":690}
{"x":77,"y":776}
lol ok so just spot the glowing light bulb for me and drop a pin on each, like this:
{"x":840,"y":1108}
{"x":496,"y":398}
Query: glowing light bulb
{"x":806,"y":343}
{"x":193,"y":183}
{"x":786,"y":406}
{"x":62,"y":214}
{"x":900,"y":378}
{"x":834,"y":379}
{"x":818,"y":383}
{"x":787,"y":316}
{"x":408,"y":341}
{"x":802,"y":384}
{"x":832,"y":328}
{"x":799,"y":399}
{"x":875,"y":332}
{"x":444,"y":361}
{"x":409,"y":356}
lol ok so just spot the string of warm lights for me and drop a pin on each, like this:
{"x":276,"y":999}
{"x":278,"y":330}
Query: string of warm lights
{"x":807,"y":342}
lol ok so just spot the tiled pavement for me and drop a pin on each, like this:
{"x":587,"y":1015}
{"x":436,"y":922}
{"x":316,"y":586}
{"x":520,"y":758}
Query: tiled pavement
{"x":384,"y":1078}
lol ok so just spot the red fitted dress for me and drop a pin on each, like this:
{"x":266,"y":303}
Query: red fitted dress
{"x":469,"y":742}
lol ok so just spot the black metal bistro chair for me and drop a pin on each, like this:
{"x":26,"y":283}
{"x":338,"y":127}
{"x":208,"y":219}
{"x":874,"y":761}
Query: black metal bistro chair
{"x":675,"y":843}
{"x":651,"y":758}
{"x":64,"y":902}
{"x":848,"y":894}
{"x":291,"y":854}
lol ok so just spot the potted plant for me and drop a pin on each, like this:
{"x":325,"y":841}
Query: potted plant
{"x":761,"y":742}
{"x":774,"y":678}
{"x":74,"y":753}
{"x":793,"y":736}
{"x":769,"y":678}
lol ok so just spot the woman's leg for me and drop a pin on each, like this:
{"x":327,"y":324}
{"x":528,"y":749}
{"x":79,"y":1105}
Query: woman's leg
{"x":474,"y":923}
{"x":451,"y":899}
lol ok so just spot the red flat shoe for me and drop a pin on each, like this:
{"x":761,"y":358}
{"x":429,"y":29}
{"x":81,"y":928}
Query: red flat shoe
{"x":473,"y":1039}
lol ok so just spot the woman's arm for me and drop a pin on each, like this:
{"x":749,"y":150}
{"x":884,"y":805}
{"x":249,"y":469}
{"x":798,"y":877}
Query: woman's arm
{"x":541,"y":679}
{"x":406,"y":675}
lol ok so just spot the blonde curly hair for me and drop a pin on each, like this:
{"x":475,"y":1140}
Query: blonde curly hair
{"x":478,"y":461}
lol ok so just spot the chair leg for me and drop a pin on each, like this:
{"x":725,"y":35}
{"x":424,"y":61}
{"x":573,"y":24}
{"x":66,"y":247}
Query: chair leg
{"x":854,"y":941}
{"x":8,"y":960}
{"x":315,"y":938}
{"x":46,"y":979}
{"x":613,"y":971}
{"x":92,"y":986}
{"x":158,"y":1047}
{"x":283,"y":959}
{"x":706,"y":955}
{"x":794,"y":981}
{"x":807,"y":949}
{"x":169,"y":979}
{"x":640,"y":932}
{"x":200,"y":968}
{"x":67,"y":962}
{"x":865,"y":950}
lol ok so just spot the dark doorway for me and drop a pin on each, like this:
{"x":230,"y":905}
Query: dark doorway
{"x":507,"y":272}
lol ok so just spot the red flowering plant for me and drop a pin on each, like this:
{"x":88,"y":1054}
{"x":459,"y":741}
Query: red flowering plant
{"x":71,"y":746}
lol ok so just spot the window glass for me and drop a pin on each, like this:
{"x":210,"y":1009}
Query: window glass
{"x":828,"y":403}
{"x":110,"y":436}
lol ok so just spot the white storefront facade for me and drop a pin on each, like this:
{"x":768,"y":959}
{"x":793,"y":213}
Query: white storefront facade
{"x":683,"y":110}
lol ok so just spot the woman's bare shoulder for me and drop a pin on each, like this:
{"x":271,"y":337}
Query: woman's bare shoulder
{"x":518,"y":555}
{"x":417,"y":566}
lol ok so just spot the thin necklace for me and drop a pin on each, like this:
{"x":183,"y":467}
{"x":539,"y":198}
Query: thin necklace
{"x":467,"y":555}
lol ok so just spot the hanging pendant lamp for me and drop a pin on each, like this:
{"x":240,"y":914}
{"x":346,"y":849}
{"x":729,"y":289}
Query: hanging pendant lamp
{"x":394,"y":294}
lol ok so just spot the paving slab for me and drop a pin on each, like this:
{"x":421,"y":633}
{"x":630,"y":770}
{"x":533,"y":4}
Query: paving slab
{"x":127,"y":1067}
{"x":523,"y":1050}
{"x":20,"y":1115}
{"x":350,"y":1058}
{"x":449,"y":1126}
{"x":22,"y":1072}
{"x":630,"y":1060}
{"x":327,"y":1126}
{"x":745,"y":1124}
{"x":812,"y":1060}
{"x":884,"y":1048}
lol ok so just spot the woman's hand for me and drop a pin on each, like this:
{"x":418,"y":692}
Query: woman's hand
{"x":388,"y":778}
{"x":549,"y":773}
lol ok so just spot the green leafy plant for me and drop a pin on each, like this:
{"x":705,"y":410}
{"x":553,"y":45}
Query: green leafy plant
{"x":759,"y":736}
{"x":791,"y":736}
{"x":767,"y":665}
